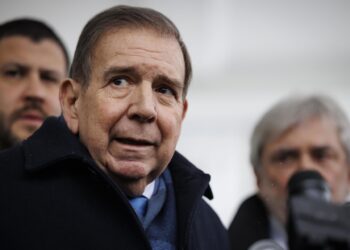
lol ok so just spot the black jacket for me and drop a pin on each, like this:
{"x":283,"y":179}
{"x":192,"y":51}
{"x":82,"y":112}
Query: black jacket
{"x":249,"y":225}
{"x":53,"y":196}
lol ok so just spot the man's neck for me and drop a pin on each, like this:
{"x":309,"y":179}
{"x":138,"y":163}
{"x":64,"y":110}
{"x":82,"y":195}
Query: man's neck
{"x":278,"y":232}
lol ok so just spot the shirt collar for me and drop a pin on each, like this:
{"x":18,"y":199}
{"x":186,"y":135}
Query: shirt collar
{"x":278,"y":232}
{"x":149,"y":190}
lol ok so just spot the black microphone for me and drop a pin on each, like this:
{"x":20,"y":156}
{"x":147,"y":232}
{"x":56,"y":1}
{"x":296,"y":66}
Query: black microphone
{"x":314,"y":222}
{"x":310,"y":184}
{"x":265,"y":244}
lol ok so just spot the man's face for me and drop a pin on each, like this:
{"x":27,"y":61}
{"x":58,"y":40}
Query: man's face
{"x":30,"y":73}
{"x":311,"y":145}
{"x":129,"y":117}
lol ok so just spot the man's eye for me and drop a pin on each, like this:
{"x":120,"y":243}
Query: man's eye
{"x":321,"y":155}
{"x":120,"y":81}
{"x":166,"y":91}
{"x":285,"y":158}
{"x":49,"y":78}
{"x":13,"y":73}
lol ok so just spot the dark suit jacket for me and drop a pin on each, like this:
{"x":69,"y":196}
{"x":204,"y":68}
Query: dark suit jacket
{"x":53,"y":196}
{"x":250,"y":224}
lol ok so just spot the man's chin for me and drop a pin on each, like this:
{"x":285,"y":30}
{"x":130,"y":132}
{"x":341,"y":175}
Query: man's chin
{"x":23,"y":132}
{"x":132,"y":176}
{"x":22,"y":136}
{"x":132,"y":188}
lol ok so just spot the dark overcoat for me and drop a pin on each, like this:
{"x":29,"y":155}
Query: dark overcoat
{"x":53,"y":196}
{"x":250,"y":224}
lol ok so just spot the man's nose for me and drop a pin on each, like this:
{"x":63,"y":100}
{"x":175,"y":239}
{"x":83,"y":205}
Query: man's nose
{"x":306,"y":162}
{"x":143,"y":106}
{"x":34,"y":88}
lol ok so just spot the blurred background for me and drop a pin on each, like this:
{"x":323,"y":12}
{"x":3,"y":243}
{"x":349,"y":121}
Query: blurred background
{"x":246,"y":54}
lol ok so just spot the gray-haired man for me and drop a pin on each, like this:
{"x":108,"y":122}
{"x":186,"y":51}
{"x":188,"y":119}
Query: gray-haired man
{"x":105,"y":175}
{"x":298,"y":133}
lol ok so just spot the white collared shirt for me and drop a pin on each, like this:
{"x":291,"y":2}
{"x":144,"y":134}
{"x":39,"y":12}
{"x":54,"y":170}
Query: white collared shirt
{"x":149,"y":189}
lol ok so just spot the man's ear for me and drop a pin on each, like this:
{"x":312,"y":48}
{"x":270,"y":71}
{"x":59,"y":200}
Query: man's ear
{"x":257,"y":177}
{"x":348,"y":168}
{"x":185,"y":107}
{"x":70,"y":91}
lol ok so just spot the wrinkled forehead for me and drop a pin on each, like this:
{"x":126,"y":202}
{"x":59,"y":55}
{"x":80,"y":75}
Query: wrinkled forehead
{"x":133,"y":46}
{"x":123,"y":34}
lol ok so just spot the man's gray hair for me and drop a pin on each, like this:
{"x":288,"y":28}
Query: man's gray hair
{"x":292,"y":111}
{"x":116,"y":18}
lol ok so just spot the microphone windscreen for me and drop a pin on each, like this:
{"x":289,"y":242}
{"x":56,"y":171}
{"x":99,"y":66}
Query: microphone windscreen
{"x":309,"y":183}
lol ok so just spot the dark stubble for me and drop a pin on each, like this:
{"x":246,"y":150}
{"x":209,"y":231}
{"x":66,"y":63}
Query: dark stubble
{"x":7,"y":138}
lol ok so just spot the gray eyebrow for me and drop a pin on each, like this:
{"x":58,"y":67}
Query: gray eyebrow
{"x":132,"y":71}
{"x":120,"y":70}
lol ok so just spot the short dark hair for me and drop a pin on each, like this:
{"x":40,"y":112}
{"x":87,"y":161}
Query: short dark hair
{"x":119,"y":17}
{"x":33,"y":29}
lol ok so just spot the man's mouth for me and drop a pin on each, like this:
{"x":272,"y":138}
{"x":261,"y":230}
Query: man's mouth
{"x":31,"y":117}
{"x":135,"y":142}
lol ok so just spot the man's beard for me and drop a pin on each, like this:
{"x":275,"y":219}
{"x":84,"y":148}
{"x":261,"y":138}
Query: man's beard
{"x":7,"y":138}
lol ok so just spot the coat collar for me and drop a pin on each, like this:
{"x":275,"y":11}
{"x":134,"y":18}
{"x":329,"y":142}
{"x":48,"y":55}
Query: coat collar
{"x":54,"y":142}
{"x":187,"y":174}
{"x":190,"y":184}
{"x":51,"y":143}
